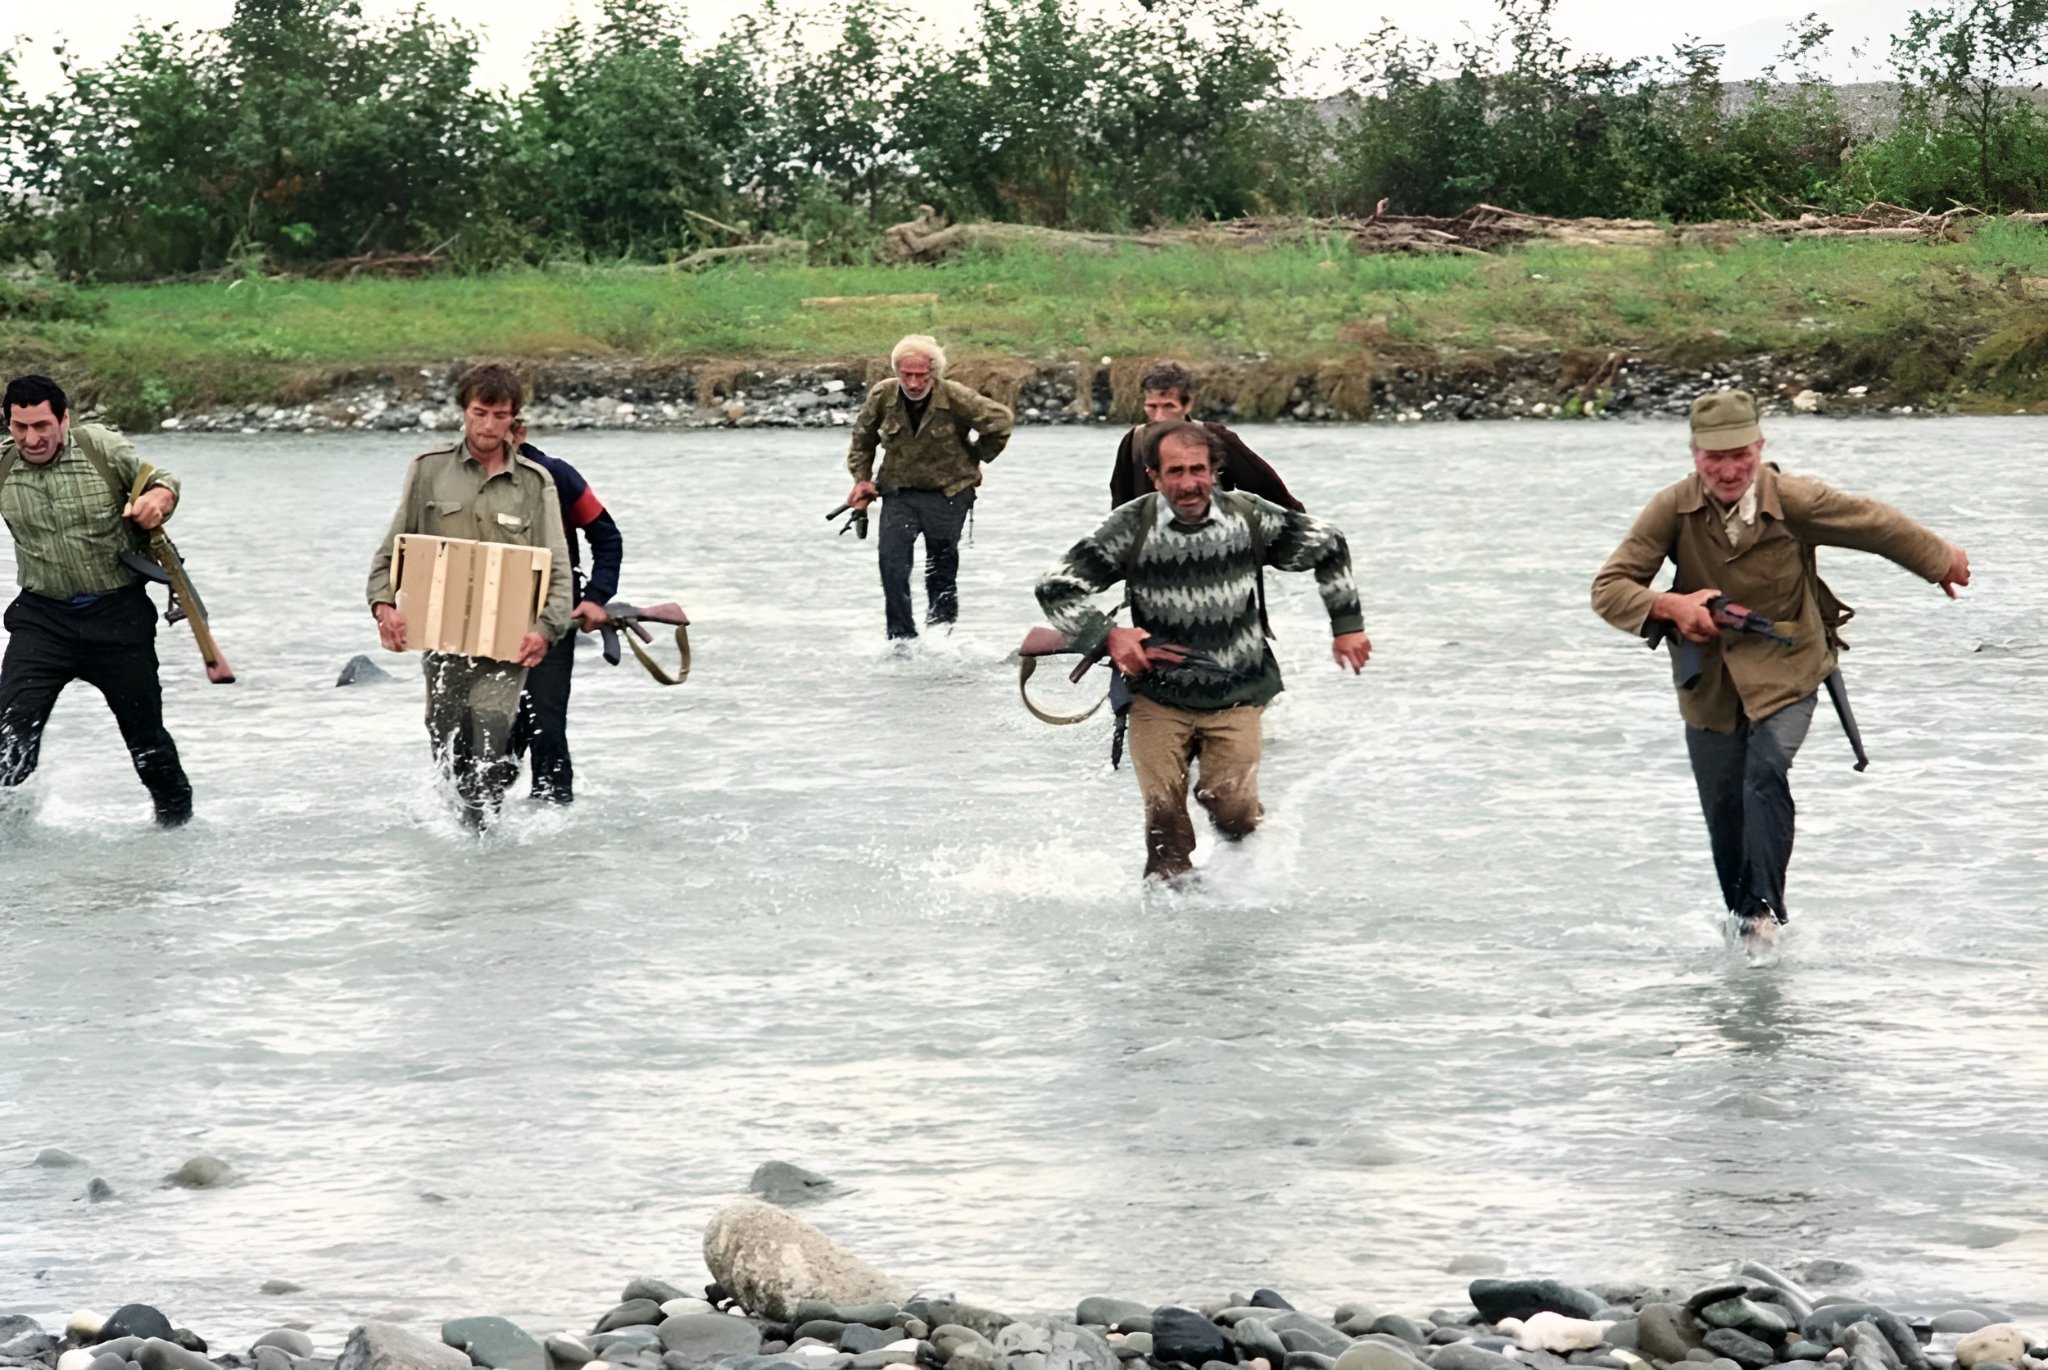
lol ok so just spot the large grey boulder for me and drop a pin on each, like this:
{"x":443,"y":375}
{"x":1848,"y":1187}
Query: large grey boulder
{"x":768,"y":1260}
{"x":384,"y":1346}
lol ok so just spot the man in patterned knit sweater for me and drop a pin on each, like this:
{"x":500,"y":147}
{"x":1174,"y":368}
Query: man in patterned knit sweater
{"x":1196,"y":656}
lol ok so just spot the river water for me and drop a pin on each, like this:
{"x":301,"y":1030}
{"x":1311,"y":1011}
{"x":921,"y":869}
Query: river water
{"x":1465,"y":994}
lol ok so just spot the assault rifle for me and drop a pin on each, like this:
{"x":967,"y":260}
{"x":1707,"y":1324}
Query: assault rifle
{"x":1730,"y":617}
{"x":1091,"y":643}
{"x":165,"y":565}
{"x":858,"y":523}
{"x":623,"y":617}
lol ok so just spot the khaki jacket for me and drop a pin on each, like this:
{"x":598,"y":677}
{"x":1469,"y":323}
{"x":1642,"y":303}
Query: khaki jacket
{"x":1770,"y":571}
{"x":447,"y":495}
{"x":938,"y":456}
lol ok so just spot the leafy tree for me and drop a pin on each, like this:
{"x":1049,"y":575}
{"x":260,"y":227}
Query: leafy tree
{"x":1963,"y":65}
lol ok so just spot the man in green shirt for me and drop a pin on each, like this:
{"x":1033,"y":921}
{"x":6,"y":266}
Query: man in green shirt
{"x":483,"y":490}
{"x":81,"y":614}
{"x":934,"y":434}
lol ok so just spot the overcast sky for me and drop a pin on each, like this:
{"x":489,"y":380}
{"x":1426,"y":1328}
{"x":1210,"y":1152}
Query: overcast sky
{"x":1753,"y":29}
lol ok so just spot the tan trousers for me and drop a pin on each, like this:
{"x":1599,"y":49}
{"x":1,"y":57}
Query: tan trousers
{"x":1164,"y":740}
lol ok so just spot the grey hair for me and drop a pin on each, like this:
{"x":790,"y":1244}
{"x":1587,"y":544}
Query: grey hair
{"x":923,"y":345}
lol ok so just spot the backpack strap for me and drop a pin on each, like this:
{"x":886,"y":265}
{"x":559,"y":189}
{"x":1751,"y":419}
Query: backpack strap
{"x":7,"y":460}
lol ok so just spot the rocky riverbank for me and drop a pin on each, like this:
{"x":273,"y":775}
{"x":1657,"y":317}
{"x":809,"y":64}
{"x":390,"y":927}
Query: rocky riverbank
{"x":786,"y":1297}
{"x":610,"y":395}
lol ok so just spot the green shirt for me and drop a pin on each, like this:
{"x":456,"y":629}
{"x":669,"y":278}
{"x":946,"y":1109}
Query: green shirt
{"x":935,"y":454}
{"x":448,"y":495}
{"x":66,"y":523}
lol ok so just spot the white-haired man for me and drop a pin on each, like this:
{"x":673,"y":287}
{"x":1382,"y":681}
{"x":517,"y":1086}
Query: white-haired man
{"x":934,"y":435}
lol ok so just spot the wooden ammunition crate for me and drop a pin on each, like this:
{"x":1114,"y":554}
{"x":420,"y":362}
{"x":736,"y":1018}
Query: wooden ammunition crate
{"x":471,"y":598}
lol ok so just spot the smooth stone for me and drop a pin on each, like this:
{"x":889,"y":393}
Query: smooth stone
{"x":289,"y":1340}
{"x":1376,"y":1355}
{"x":202,"y":1172}
{"x":869,"y":1314}
{"x":134,"y":1320}
{"x":108,"y":1361}
{"x":1741,"y":1348}
{"x":568,"y":1350}
{"x":1185,"y":1337}
{"x":1393,"y":1324}
{"x":1665,"y":1331}
{"x":2001,"y":1341}
{"x":1796,"y":1296}
{"x":1558,"y":1334}
{"x":938,"y":1312}
{"x":1330,"y":1343}
{"x":124,"y":1347}
{"x":855,"y":1338}
{"x":768,"y":1260}
{"x":915,"y":1328}
{"x":1746,"y":1314}
{"x":386,"y":1346}
{"x":187,"y":1338}
{"x":268,"y":1358}
{"x":496,"y":1343}
{"x":813,"y":1310}
{"x":1464,"y":1355}
{"x":1624,"y":1334}
{"x":360,"y":670}
{"x":83,"y":1325}
{"x":1308,"y":1360}
{"x":1700,"y":1355}
{"x":97,"y":1191}
{"x":886,"y":1356}
{"x":631,"y":1313}
{"x":1444,"y":1336}
{"x":56,"y":1158}
{"x":1133,"y":1345}
{"x":1596,"y":1360}
{"x":1519,"y":1298}
{"x":1253,"y":1338}
{"x":1715,"y":1293}
{"x":1961,"y":1320}
{"x":647,"y":1287}
{"x":161,"y":1353}
{"x":707,"y":1336}
{"x":627,"y":1341}
{"x":826,"y":1330}
{"x":1541,"y":1359}
{"x":973,"y":1356}
{"x":30,"y":1343}
{"x":1104,"y":1311}
{"x":949,"y":1337}
{"x":685,"y":1304}
{"x":1864,"y":1342}
{"x":1826,"y":1322}
{"x":1268,"y":1298}
{"x":779,"y":1182}
{"x":1805,"y":1350}
{"x":1353,"y":1312}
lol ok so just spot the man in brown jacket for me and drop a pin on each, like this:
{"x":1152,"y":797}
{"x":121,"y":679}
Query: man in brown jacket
{"x":1737,"y":527}
{"x":934,"y":435}
{"x":1168,"y":392}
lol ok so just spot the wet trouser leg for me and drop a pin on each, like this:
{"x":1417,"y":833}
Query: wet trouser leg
{"x":543,"y":727}
{"x":943,"y":518}
{"x":472,"y":703}
{"x":109,"y":644}
{"x":1745,"y":788}
{"x":895,"y":547}
{"x":1163,"y":742}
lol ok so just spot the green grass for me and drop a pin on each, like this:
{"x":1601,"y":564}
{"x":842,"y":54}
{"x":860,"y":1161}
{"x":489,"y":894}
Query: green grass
{"x":1899,"y":305}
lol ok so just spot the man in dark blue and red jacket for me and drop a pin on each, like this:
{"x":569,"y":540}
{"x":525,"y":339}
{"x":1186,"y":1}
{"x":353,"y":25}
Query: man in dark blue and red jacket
{"x":543,"y":726}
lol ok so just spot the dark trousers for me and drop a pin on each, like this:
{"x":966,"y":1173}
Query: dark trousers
{"x":471,"y":705}
{"x":1744,"y":779}
{"x":543,"y":726}
{"x":109,"y":644}
{"x":907,"y":514}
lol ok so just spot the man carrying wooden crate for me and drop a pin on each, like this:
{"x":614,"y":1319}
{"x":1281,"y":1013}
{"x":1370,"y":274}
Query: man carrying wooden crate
{"x":479,"y":490}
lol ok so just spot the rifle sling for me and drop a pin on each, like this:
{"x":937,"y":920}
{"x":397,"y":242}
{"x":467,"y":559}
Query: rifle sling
{"x":654,"y":668}
{"x":1026,"y":667}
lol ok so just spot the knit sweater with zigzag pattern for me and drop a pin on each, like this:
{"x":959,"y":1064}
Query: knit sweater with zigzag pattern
{"x":1196,"y":586}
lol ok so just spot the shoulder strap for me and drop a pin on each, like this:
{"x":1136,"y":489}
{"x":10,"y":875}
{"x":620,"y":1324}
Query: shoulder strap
{"x":1134,"y":552}
{"x":106,"y":472}
{"x":7,"y":460}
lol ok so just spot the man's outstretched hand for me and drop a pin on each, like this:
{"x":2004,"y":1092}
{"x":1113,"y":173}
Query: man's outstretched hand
{"x":1958,"y":572}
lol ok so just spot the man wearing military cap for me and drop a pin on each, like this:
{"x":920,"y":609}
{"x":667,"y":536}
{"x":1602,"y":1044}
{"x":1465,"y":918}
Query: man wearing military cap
{"x":1737,"y":527}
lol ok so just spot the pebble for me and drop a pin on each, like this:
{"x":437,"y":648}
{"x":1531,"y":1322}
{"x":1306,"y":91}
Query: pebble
{"x":565,"y":1349}
{"x":703,"y":1337}
{"x":1373,"y":1355}
{"x":287,"y":1339}
{"x":1999,"y":1342}
{"x":1184,"y":1336}
{"x":1463,"y":1355}
{"x":641,"y":1312}
{"x":495,"y":1343}
{"x":1556,"y":1333}
{"x":1519,"y":1298}
{"x":1103,"y":1311}
{"x":1745,"y":1350}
